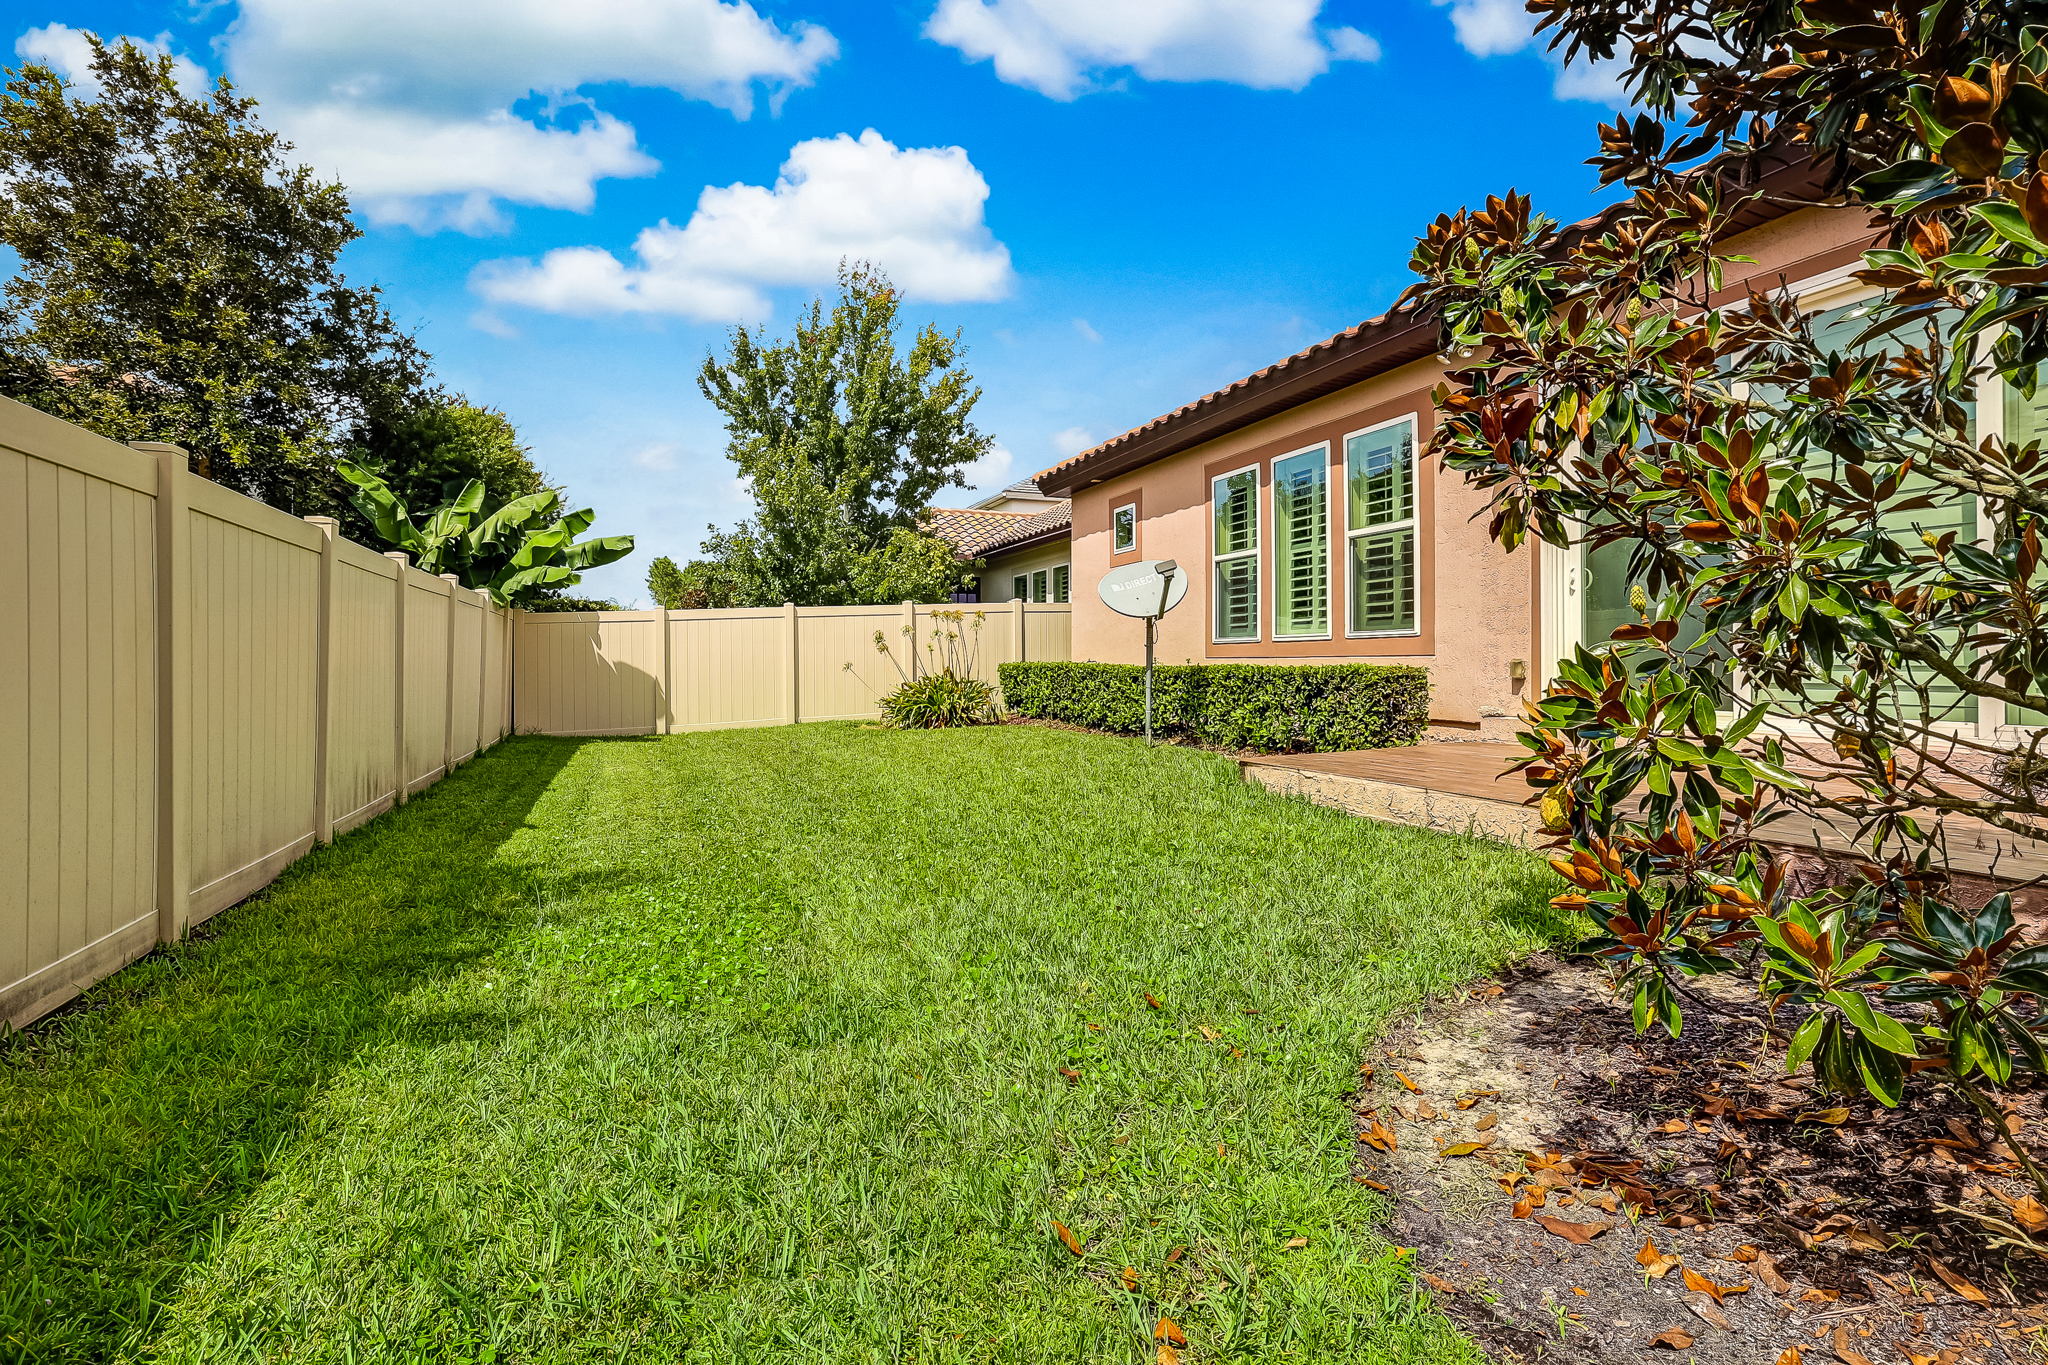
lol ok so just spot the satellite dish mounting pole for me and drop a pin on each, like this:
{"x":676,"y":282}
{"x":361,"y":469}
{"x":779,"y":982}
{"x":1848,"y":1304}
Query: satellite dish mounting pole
{"x":1151,"y":629}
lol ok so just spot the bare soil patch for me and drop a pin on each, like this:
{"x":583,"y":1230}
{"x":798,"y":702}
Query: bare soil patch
{"x":1576,"y":1192}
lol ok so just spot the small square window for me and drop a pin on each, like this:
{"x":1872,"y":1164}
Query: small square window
{"x":1123,"y":529}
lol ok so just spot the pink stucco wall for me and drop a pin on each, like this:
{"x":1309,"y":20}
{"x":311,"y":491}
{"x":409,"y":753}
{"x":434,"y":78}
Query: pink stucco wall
{"x":1478,"y":605}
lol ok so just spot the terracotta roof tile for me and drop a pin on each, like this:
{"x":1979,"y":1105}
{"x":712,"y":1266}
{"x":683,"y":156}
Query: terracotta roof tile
{"x":974,"y":532}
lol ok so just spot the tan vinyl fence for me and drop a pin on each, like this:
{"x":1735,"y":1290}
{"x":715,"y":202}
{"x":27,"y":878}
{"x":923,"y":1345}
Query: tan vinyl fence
{"x":654,"y":672}
{"x":194,"y":690}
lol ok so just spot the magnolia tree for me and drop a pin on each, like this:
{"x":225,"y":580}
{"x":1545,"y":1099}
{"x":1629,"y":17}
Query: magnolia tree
{"x":1837,"y":556}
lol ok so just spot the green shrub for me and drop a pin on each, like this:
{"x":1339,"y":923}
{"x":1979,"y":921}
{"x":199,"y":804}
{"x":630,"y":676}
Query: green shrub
{"x":935,"y":701}
{"x":1272,"y":708}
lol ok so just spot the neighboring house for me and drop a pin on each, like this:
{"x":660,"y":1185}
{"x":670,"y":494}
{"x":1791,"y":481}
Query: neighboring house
{"x":1313,"y":531}
{"x":1021,"y":536}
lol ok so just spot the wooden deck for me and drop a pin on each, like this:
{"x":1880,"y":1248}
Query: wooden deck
{"x":1465,"y":788}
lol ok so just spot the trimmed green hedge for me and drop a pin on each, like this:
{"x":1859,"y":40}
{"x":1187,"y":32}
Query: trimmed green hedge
{"x":1272,"y":708}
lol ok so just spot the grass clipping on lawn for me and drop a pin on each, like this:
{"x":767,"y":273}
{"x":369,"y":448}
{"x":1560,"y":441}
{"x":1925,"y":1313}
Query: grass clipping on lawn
{"x":785,"y":1044}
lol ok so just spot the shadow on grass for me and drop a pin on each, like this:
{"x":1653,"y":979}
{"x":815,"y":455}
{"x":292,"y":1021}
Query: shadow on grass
{"x":134,"y":1126}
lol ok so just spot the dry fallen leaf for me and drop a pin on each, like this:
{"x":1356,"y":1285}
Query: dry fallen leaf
{"x":1657,"y":1263}
{"x":1073,"y":1076}
{"x":1372,"y":1184}
{"x":1295,"y":1244}
{"x":1767,"y":1271}
{"x":1744,"y":1253}
{"x":1439,"y":1283}
{"x":1576,"y":1233}
{"x":1717,"y":1292}
{"x":1167,"y":1355}
{"x":1130,"y":1279}
{"x":1425,"y":1111}
{"x":1067,"y":1235}
{"x":1791,"y":1357}
{"x":1208,"y":1033}
{"x":1673,"y":1339}
{"x":1831,"y":1116}
{"x":1152,"y":1002}
{"x":1169,"y":1332}
{"x":1402,"y":1077}
{"x":1849,"y":1354}
{"x":1486,"y":1122}
{"x":1465,"y":1148}
{"x":1958,"y":1283}
{"x":1528,"y":1204}
{"x":1674,"y":1126}
{"x":1380,"y":1136}
{"x":1173,"y":1256}
{"x":1707,"y":1311}
{"x":2030,"y":1213}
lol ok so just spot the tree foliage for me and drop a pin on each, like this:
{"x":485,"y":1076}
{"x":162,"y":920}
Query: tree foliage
{"x":1823,"y":613}
{"x":698,"y":585}
{"x":522,"y":552}
{"x":429,"y":450}
{"x":843,"y":439}
{"x":176,"y":279}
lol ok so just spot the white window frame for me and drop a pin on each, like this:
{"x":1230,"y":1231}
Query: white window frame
{"x":1115,"y":548}
{"x":1413,"y":522}
{"x":1329,"y":534}
{"x":1020,"y":586}
{"x":1258,"y":634}
{"x":1034,"y":576}
{"x":1052,"y":582}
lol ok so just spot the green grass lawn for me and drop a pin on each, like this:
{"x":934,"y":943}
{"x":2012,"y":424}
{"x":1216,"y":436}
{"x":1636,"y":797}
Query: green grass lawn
{"x":747,"y":1047}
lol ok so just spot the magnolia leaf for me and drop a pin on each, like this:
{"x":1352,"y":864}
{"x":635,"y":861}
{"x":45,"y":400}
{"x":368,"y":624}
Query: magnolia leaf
{"x":1577,"y":1233}
{"x":1656,"y":1263}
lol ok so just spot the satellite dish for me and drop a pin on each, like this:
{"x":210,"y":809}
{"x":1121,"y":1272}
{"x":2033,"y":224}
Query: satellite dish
{"x":1150,"y":588}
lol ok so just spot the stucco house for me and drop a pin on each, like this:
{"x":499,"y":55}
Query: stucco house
{"x":1021,"y":536}
{"x":1298,"y":501}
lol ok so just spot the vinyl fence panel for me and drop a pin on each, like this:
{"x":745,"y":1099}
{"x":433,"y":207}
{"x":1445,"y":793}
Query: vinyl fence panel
{"x":194,"y":689}
{"x":651,"y":672}
{"x":78,"y":721}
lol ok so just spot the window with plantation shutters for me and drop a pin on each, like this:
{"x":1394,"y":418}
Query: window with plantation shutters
{"x":1020,"y":588}
{"x":1379,"y":477}
{"x":1301,"y":545}
{"x":1234,"y":505}
{"x":1062,"y":582}
{"x":1039,"y":580}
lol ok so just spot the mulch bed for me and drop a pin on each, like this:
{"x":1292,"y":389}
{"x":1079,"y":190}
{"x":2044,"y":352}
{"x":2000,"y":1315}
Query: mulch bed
{"x":1576,"y":1192}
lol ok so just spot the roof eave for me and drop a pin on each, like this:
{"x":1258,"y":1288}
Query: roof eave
{"x":1411,"y":337}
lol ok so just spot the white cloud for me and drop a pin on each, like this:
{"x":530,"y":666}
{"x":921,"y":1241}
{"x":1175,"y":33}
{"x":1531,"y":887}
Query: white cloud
{"x":917,"y":212}
{"x":66,"y":51}
{"x":1087,"y":331}
{"x":433,"y":112}
{"x":992,"y":470}
{"x":1072,"y":441}
{"x":658,"y":457}
{"x":1488,"y":28}
{"x":1493,"y":28}
{"x":1064,"y":48}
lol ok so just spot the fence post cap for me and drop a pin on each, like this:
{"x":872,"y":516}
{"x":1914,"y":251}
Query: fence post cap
{"x":324,"y":523}
{"x":158,"y":447}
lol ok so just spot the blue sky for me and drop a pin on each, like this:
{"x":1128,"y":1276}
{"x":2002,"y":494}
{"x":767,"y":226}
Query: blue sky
{"x":1122,"y":204}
